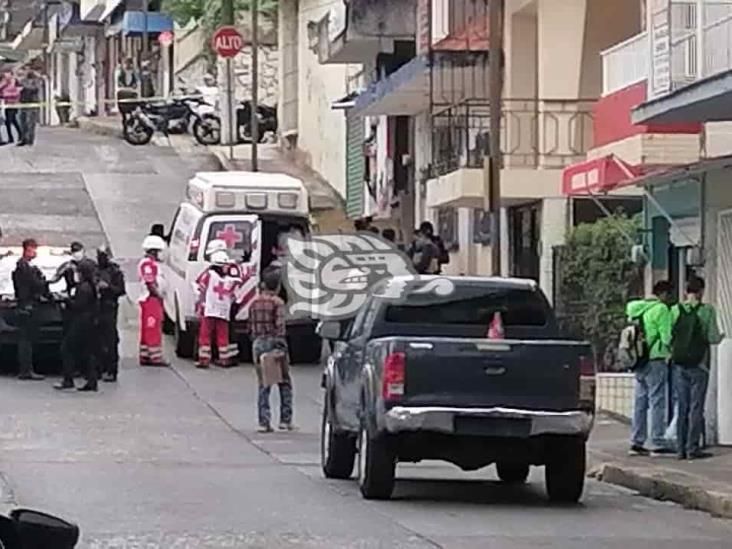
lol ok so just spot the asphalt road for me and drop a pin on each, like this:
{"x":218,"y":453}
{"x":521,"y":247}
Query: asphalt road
{"x":168,"y":458}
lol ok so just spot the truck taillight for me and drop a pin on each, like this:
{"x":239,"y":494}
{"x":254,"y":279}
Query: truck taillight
{"x":495,"y":328}
{"x":587,"y":366}
{"x":394,"y":376}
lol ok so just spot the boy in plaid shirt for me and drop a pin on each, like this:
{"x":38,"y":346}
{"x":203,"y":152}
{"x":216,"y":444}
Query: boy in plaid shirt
{"x":267,"y":328}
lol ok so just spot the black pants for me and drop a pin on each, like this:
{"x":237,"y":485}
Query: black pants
{"x":27,"y":335}
{"x":11,"y":121}
{"x":108,"y":341}
{"x":77,"y":350}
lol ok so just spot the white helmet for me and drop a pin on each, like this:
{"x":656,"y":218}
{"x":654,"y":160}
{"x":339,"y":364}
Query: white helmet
{"x":153,"y":242}
{"x":219,"y":258}
{"x":216,"y":245}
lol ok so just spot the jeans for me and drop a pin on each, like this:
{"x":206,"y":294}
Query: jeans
{"x":28,"y":121}
{"x":260,"y":346}
{"x":651,"y":383}
{"x":691,"y":390}
{"x":11,"y":121}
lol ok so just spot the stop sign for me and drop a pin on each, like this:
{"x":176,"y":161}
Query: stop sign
{"x":227,"y":41}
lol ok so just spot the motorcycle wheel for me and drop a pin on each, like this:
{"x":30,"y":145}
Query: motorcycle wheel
{"x":207,"y":130}
{"x":137,"y":133}
{"x":245,"y":134}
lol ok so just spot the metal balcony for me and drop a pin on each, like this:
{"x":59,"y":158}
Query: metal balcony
{"x":536,"y":133}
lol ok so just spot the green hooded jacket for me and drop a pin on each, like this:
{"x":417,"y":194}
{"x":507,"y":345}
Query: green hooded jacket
{"x":657,"y":325}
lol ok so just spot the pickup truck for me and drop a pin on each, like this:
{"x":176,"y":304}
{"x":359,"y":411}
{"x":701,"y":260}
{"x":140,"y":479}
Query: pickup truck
{"x":50,"y":313}
{"x":418,"y":378}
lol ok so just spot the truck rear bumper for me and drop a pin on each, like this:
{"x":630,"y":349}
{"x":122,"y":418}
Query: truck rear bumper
{"x":443,"y":420}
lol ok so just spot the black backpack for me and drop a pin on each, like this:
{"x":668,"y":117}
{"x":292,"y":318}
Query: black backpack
{"x":689,"y":345}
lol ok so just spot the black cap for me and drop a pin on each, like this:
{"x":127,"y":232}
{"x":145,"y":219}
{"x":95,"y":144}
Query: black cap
{"x":76,"y":247}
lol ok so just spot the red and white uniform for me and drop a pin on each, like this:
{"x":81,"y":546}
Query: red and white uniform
{"x":216,"y":297}
{"x":151,"y":313}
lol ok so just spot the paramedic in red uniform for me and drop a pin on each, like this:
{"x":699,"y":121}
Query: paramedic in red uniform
{"x":151,"y":303}
{"x":216,"y":288}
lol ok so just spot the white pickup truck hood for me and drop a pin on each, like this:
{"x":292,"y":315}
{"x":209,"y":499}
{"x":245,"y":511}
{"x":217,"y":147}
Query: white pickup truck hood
{"x":48,"y":260}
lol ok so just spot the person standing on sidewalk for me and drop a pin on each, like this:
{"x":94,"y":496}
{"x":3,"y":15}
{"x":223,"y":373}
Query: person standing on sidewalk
{"x":151,"y":303}
{"x":267,"y":328}
{"x":111,"y":286}
{"x":30,"y":289}
{"x":651,"y":379}
{"x":10,"y":96}
{"x":695,"y":330}
{"x":30,"y":97}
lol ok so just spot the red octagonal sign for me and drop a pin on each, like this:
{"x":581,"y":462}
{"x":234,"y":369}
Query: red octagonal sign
{"x":227,"y":41}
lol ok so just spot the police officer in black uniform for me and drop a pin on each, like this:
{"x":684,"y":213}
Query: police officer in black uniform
{"x":111,"y":286}
{"x":30,"y":289}
{"x":69,"y":271}
{"x":81,"y":338}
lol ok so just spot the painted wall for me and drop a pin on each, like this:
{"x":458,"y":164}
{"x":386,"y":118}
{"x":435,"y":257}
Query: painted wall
{"x":321,"y":131}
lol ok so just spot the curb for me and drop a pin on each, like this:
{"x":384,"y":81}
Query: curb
{"x":90,"y":125}
{"x":8,"y":500}
{"x":666,"y":485}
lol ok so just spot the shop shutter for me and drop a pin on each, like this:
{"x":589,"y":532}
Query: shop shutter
{"x":355,"y":165}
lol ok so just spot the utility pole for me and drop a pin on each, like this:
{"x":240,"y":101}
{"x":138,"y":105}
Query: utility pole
{"x":493,"y":186}
{"x":227,"y":16}
{"x":254,"y":122}
{"x":145,"y":34}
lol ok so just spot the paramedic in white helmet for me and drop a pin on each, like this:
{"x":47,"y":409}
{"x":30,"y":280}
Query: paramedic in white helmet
{"x":151,"y":303}
{"x":216,"y":290}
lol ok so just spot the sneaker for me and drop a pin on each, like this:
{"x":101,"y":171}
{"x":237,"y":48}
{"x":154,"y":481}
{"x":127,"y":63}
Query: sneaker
{"x":109,"y":377}
{"x":287,"y":427}
{"x":89,"y":387}
{"x":662,"y":452}
{"x":700,"y":455}
{"x":265,"y":429}
{"x":64,"y":385}
{"x":682,"y":456}
{"x":202,"y":366}
{"x":637,"y":450}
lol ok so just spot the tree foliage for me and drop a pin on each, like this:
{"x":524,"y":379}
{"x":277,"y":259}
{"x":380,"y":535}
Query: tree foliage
{"x":209,"y":12}
{"x":596,"y":279}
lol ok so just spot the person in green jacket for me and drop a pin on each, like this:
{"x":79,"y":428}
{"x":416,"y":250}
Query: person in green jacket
{"x":695,"y":330}
{"x":651,"y":380}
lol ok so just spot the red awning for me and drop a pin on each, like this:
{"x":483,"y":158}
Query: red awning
{"x":598,"y":176}
{"x":473,"y":37}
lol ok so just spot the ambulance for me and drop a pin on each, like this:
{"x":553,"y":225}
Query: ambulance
{"x":249,"y":211}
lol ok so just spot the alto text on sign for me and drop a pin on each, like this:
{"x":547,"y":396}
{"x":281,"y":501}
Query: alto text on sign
{"x":227,"y":41}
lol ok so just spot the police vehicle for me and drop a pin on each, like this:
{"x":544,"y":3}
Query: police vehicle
{"x":249,"y":211}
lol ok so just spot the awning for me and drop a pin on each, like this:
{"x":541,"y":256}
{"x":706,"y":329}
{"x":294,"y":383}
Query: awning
{"x":133,"y":22}
{"x":404,"y":92}
{"x":345,"y":103}
{"x":706,"y":100}
{"x":110,"y":7}
{"x":598,"y":176}
{"x":30,"y":38}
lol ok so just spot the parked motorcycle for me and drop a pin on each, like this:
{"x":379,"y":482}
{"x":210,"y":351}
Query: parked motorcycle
{"x":207,"y":130}
{"x":27,"y":529}
{"x":168,"y":117}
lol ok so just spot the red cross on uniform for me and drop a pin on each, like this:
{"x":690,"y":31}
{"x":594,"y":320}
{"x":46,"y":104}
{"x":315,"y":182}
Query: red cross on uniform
{"x":230,"y":235}
{"x":221,"y":291}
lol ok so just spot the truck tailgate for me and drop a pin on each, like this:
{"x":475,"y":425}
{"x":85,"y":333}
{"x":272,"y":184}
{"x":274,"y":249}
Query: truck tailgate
{"x":534,"y":374}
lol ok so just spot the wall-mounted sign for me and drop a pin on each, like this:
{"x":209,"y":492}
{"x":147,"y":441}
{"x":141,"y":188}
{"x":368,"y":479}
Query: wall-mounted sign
{"x":660,"y":33}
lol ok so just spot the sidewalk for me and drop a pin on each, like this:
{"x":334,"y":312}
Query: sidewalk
{"x":705,"y":485}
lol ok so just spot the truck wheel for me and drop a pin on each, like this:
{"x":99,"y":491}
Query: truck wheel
{"x":376,"y":466}
{"x":565,"y":471}
{"x":337,"y":450}
{"x":185,"y":342}
{"x":512,"y":473}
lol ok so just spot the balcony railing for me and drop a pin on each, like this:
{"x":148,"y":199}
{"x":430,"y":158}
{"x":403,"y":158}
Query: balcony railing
{"x":551,"y":133}
{"x":625,"y":64}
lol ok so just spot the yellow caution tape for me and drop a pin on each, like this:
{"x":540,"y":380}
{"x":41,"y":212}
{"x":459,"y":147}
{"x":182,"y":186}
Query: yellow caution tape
{"x":103,"y":101}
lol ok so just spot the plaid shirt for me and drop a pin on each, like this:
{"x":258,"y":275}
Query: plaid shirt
{"x":267,"y":316}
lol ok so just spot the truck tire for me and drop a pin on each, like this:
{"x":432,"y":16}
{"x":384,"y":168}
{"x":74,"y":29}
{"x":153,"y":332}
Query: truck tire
{"x":512,"y":473}
{"x":185,"y":341}
{"x":337,"y":450}
{"x":565,"y":471}
{"x":376,"y":466}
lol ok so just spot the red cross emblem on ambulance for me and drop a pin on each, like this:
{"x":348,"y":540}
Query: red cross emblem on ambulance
{"x":230,"y":235}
